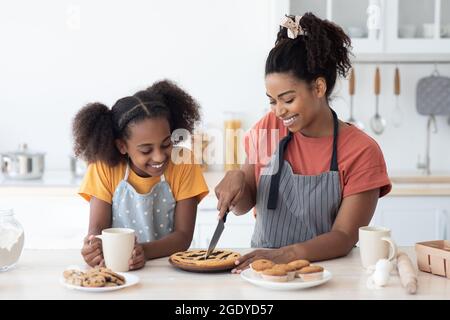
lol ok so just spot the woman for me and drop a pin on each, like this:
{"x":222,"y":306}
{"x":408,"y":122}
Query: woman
{"x":324,"y":177}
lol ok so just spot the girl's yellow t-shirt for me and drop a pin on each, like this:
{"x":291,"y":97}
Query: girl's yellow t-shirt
{"x":101,"y":180}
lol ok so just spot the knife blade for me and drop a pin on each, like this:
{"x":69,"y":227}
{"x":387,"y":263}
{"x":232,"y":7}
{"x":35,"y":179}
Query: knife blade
{"x":216,"y":236}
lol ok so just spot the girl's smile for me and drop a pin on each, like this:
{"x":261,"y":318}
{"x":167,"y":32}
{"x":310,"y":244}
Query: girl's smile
{"x":149,"y":146}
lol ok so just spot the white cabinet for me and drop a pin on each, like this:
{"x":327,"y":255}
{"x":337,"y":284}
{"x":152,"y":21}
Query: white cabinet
{"x":418,"y":26}
{"x":414,"y":219}
{"x":51,"y":220}
{"x":238,"y":229}
{"x":381,"y":26}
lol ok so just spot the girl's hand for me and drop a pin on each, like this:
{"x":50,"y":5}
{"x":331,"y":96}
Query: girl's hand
{"x":281,"y":255}
{"x":137,"y":260}
{"x":92,"y":251}
{"x":229,"y":191}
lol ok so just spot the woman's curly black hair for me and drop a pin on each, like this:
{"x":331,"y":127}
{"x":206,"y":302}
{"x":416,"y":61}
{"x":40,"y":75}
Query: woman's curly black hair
{"x":322,"y":51}
{"x":96,"y":127}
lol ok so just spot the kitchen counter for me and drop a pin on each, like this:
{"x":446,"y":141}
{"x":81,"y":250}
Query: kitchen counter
{"x":63,"y":183}
{"x":38,"y":272}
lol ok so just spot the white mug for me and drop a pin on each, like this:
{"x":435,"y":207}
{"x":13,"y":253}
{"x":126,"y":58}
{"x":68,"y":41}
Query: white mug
{"x":117,"y":245}
{"x":375,"y":244}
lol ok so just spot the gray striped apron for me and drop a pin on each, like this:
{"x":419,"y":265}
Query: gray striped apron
{"x":293,"y":208}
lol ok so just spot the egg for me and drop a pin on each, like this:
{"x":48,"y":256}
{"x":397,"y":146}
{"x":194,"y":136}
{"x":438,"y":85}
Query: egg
{"x":382,"y":272}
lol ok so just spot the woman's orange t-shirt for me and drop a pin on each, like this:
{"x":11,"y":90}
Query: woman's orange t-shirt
{"x":360,"y":160}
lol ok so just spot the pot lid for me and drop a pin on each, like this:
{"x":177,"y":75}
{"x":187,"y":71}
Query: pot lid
{"x":24,"y":151}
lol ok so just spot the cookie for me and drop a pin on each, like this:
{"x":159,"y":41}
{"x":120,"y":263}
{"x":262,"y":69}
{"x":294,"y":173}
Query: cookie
{"x":76,"y":280}
{"x":94,"y":281}
{"x":94,"y":277}
{"x":72,"y":272}
{"x":261,"y":264}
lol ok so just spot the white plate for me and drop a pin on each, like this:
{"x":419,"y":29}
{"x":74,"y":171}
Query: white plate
{"x":130,"y":280}
{"x":297,"y":283}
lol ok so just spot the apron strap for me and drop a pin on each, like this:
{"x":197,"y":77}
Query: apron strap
{"x":275,"y":180}
{"x":334,"y":162}
{"x":127,"y":172}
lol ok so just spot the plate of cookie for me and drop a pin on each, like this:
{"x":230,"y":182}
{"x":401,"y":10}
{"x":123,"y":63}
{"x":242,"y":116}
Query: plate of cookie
{"x":195,"y":260}
{"x":298,"y":274}
{"x":98,"y":279}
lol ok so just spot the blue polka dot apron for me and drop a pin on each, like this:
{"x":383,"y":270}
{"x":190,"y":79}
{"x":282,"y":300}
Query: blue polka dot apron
{"x":151,"y":215}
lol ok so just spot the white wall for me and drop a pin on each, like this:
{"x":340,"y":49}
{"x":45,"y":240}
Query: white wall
{"x":49,"y":69}
{"x":53,"y":61}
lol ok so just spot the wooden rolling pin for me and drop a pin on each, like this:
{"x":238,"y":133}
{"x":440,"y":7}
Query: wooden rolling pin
{"x":407,"y":273}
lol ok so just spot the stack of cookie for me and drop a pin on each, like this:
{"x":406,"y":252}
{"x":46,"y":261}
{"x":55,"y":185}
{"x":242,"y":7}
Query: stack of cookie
{"x":302,"y":269}
{"x":94,"y":278}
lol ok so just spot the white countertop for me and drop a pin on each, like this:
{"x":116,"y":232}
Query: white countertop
{"x":62,"y":182}
{"x":37,"y":275}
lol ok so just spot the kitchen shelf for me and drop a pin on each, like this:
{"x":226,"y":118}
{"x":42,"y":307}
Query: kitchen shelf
{"x":401,"y":58}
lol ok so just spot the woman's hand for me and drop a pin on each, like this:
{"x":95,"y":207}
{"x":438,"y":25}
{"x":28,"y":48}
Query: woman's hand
{"x":92,"y":251}
{"x":229,"y":191}
{"x":281,"y":255}
{"x":137,"y":260}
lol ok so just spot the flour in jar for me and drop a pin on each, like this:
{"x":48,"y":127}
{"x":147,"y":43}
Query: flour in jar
{"x":11,"y":244}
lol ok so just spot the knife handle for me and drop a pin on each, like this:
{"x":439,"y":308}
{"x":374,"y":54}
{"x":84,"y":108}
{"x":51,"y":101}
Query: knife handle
{"x":225,"y":216}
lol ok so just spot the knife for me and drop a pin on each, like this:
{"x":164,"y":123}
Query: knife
{"x":216,"y":235}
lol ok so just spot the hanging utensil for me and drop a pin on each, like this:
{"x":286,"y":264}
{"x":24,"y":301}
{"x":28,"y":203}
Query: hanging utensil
{"x":351,"y":92}
{"x":377,"y":123}
{"x":397,"y":114}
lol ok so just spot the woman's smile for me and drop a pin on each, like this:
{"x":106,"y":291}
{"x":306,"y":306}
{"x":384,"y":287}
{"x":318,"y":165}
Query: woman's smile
{"x":289,"y":120}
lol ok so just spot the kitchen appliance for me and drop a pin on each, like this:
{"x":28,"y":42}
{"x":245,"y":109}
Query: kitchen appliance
{"x":78,"y":167}
{"x":377,"y":123}
{"x":23,"y":164}
{"x":216,"y":236}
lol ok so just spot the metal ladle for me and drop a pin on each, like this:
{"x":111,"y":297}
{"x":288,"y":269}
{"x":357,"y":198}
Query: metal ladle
{"x":377,"y":123}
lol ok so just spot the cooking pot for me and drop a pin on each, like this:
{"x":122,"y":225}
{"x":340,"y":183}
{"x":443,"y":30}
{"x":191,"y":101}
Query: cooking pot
{"x":77,"y":167}
{"x":23,"y":164}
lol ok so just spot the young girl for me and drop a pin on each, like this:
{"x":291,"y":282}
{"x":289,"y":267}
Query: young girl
{"x":325,"y":176}
{"x":131,"y":180}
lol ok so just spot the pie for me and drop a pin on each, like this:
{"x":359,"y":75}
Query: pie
{"x":195,"y":259}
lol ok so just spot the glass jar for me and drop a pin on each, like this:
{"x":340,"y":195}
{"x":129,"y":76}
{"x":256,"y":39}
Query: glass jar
{"x":232,"y":125}
{"x":11,"y":239}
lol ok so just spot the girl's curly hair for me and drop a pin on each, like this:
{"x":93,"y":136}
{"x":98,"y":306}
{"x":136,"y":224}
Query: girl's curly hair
{"x":322,"y":51}
{"x":96,"y":127}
